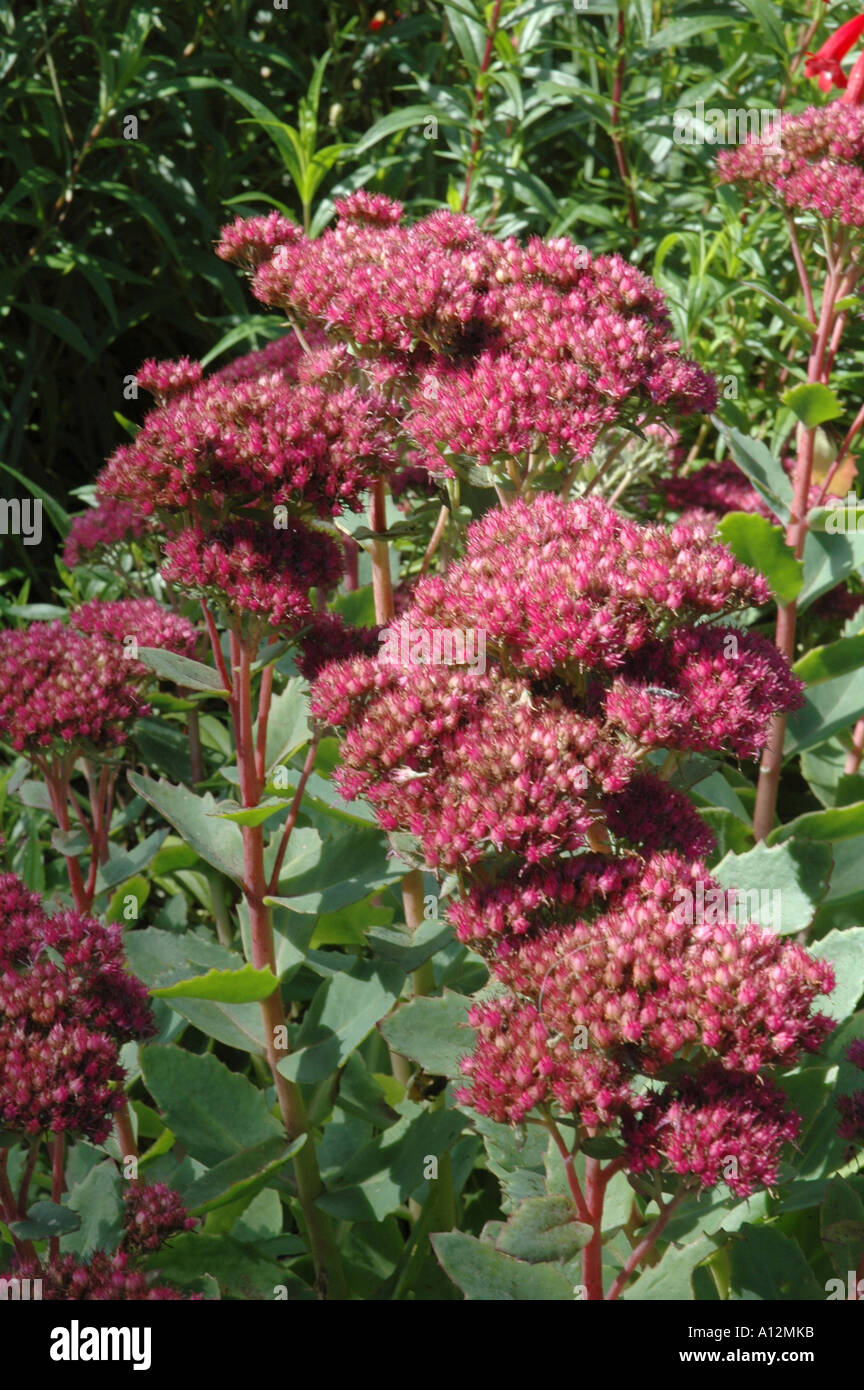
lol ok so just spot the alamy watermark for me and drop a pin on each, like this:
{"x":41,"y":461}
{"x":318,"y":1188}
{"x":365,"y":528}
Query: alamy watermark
{"x":693,"y":125}
{"x":404,"y":645}
{"x":727,"y":906}
{"x":21,"y":518}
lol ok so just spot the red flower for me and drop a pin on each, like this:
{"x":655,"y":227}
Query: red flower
{"x":854,"y":93}
{"x":825,"y":64}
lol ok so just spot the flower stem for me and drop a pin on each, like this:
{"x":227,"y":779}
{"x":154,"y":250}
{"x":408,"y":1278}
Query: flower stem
{"x":330,"y":1279}
{"x":796,"y":532}
{"x":639,"y":1251}
{"x":592,"y":1254}
{"x":479,"y":99}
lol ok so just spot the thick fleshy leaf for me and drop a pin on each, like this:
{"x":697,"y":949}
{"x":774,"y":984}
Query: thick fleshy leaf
{"x":433,"y":1032}
{"x":755,"y":542}
{"x":218,"y":841}
{"x":486,"y":1274}
{"x":783,"y":885}
{"x":214,"y":1112}
{"x":543,"y":1229}
{"x":343,"y":1011}
{"x":243,"y":986}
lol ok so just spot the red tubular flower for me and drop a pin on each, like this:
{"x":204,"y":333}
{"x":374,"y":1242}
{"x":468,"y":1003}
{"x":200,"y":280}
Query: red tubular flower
{"x":825,"y":63}
{"x":854,"y":93}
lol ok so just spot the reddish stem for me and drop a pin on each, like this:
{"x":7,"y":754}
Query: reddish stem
{"x":382,"y":585}
{"x":572,"y":1180}
{"x":592,"y":1254}
{"x":291,"y":819}
{"x":853,"y":757}
{"x":772,"y":759}
{"x":617,"y":93}
{"x":57,"y":782}
{"x":638,"y":1253}
{"x":477,"y":137}
{"x":264,"y":699}
{"x":124,"y":1133}
{"x":216,"y":646}
{"x":352,"y":561}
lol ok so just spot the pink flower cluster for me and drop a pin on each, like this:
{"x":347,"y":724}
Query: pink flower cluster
{"x":67,"y":1003}
{"x":249,"y":568}
{"x":817,"y":165}
{"x":61,"y":686}
{"x":254,"y":433}
{"x":142,"y":619}
{"x":714,"y":1127}
{"x":568,"y":588}
{"x":101,"y":1278}
{"x":496,"y":349}
{"x":77,"y":684}
{"x":467,"y":763}
{"x":109,"y":523}
{"x":527,"y":780}
{"x":164,"y":379}
{"x":154,"y":1212}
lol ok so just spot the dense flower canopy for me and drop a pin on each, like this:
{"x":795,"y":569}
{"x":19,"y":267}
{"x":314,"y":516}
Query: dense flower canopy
{"x":527,"y":778}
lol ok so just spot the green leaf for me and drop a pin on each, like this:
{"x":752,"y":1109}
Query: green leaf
{"x":190,"y":674}
{"x":681,"y":30}
{"x":162,"y":957}
{"x":127,"y":865}
{"x":755,"y":542}
{"x":835,"y":659}
{"x":842,"y":1225}
{"x":250,"y":815}
{"x":242,"y":1175}
{"x":288,"y":723}
{"x":409,"y":949}
{"x":764,"y":471}
{"x":766,"y":1264}
{"x":409,"y":117}
{"x":845,"y":952}
{"x":828,"y":708}
{"x":516,"y":1156}
{"x":840,"y":517}
{"x":345,"y":1008}
{"x":98,"y":1200}
{"x":813,"y":403}
{"x":379,"y":1178}
{"x":543,"y":1229}
{"x":346,"y":867}
{"x":219,"y":842}
{"x":239,"y":1270}
{"x":243,"y":986}
{"x":672,"y":1278}
{"x":215,"y":1113}
{"x":486,"y":1274}
{"x":828,"y":560}
{"x":45,"y":1219}
{"x":836,"y":823}
{"x":769,"y":23}
{"x":60,"y":325}
{"x":797,"y":872}
{"x":433,"y":1032}
{"x":60,"y":519}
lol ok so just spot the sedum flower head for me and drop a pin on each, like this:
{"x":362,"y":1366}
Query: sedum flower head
{"x":67,"y":1004}
{"x":153,"y":1213}
{"x":817,"y":166}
